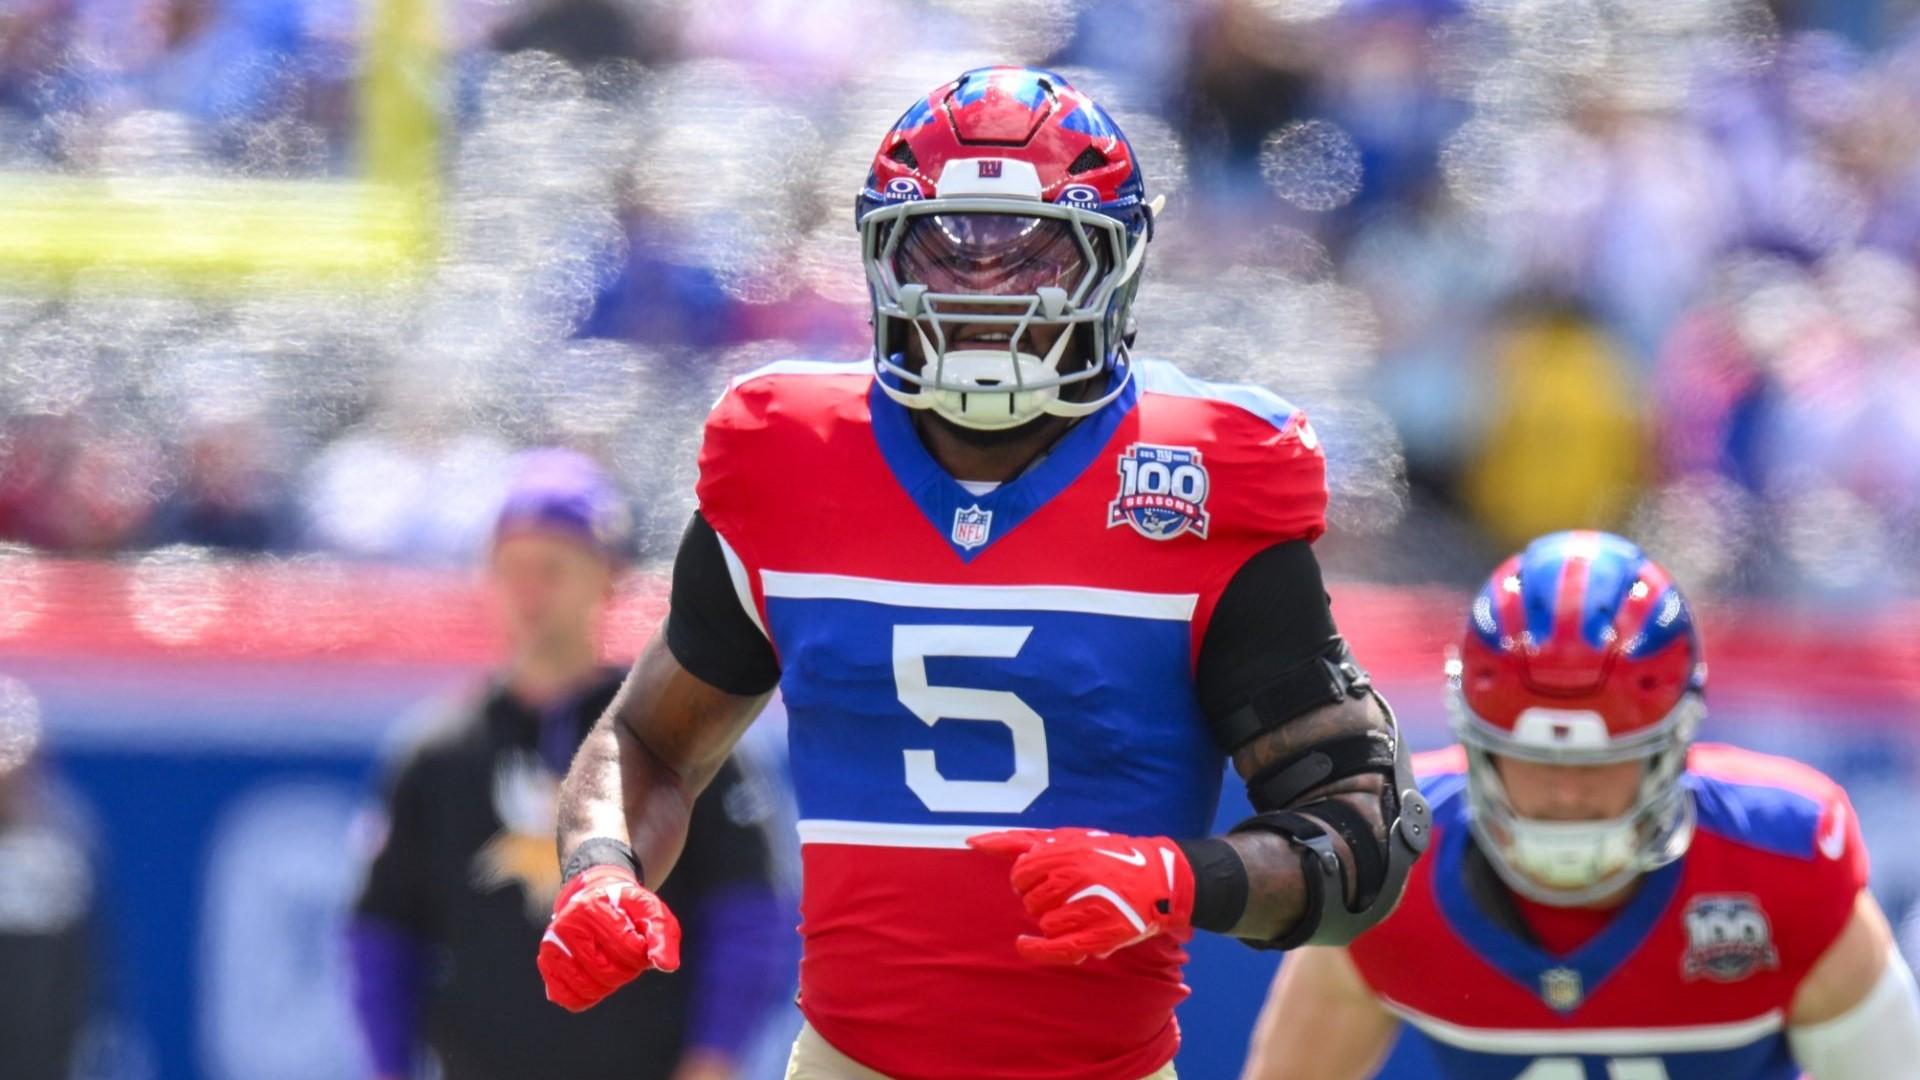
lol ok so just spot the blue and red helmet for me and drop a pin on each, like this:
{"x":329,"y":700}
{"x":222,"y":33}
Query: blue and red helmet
{"x":1001,"y":201}
{"x":1078,"y":155}
{"x":1579,"y":650}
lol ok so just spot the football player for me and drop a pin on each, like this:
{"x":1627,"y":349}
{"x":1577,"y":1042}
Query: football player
{"x":1605,"y":900}
{"x":1021,"y":592}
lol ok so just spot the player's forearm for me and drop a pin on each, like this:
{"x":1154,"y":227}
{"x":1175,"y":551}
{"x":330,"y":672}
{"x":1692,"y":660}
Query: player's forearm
{"x":619,"y":788}
{"x":1276,"y":889}
{"x":1276,"y":877}
{"x":662,"y":740}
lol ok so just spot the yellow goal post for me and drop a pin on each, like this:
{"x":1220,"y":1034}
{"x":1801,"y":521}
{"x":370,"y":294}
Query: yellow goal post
{"x":217,"y":232}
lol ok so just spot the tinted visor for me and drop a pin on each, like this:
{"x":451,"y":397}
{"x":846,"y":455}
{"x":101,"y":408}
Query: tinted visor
{"x":990,"y":254}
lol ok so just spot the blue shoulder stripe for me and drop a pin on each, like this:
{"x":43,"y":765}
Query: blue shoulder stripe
{"x":1161,"y":377}
{"x":1761,"y":816}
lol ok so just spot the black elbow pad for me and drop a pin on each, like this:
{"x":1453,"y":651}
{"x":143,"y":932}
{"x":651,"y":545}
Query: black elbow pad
{"x":1380,"y":869}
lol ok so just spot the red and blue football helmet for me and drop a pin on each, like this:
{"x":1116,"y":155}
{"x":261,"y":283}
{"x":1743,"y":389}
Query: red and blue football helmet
{"x":1002,"y":201}
{"x":1579,"y":650}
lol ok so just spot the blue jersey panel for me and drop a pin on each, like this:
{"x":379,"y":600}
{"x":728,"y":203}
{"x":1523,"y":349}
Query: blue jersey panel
{"x":920,"y":715}
{"x":1765,"y":1059}
{"x":1758,"y":815}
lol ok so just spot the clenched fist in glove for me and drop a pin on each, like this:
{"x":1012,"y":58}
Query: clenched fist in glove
{"x":606,"y":929}
{"x":1094,"y":892}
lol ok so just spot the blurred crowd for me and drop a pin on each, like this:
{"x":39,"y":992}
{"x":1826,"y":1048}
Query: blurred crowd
{"x":1642,"y":265}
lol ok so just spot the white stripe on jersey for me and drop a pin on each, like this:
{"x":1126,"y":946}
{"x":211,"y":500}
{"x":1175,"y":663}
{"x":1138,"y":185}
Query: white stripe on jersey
{"x":1081,"y":599}
{"x":1609,"y":1041}
{"x":737,"y":573}
{"x":889,"y":834}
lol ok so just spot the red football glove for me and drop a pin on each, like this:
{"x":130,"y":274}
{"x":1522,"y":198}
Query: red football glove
{"x":606,"y":929}
{"x":1094,"y":892}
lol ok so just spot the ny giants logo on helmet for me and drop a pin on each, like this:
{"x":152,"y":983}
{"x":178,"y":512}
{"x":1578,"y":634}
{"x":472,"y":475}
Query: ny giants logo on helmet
{"x":1728,"y":938}
{"x":1163,"y":492}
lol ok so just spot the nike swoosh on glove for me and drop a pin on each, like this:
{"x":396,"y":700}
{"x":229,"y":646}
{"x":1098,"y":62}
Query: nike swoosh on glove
{"x":606,"y":929}
{"x":1094,"y":892}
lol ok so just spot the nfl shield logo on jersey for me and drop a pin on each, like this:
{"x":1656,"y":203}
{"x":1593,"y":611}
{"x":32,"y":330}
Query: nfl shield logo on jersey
{"x":1560,"y":988}
{"x":1728,"y":938}
{"x":970,"y":527}
{"x":1163,"y":492}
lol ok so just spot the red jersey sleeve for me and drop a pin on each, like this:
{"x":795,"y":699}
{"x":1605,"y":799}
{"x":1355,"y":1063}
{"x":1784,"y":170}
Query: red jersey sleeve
{"x":1833,"y":882}
{"x":1800,"y":813}
{"x":727,"y":480}
{"x":1268,"y":486}
{"x":1278,"y":478}
{"x":766,"y":430}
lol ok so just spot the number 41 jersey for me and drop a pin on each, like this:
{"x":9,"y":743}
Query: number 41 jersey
{"x":955,"y":662}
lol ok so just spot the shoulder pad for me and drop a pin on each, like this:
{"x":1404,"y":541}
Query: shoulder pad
{"x":1267,"y":472}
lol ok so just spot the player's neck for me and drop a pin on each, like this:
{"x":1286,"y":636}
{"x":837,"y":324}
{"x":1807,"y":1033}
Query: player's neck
{"x":545,"y":672}
{"x":995,"y":458}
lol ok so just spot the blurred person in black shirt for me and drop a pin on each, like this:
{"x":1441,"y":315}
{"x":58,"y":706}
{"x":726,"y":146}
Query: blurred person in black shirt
{"x":457,"y":896}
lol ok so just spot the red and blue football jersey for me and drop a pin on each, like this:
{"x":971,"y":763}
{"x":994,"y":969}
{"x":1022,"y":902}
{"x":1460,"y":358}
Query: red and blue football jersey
{"x":1691,"y":979}
{"x":954,"y":663}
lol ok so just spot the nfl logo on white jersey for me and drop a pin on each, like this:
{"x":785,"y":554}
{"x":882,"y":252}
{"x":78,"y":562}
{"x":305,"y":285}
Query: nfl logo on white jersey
{"x":970,"y":527}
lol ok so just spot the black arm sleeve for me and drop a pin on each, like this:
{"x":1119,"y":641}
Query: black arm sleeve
{"x":1273,"y":619}
{"x":1271,"y":656}
{"x":708,"y":631}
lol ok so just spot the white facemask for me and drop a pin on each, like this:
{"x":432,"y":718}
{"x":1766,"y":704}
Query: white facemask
{"x":1571,"y":863}
{"x":953,"y":374}
{"x":1571,"y":854}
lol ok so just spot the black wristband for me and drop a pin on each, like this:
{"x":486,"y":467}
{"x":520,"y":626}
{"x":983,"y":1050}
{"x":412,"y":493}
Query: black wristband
{"x":601,"y":851}
{"x":1219,"y":884}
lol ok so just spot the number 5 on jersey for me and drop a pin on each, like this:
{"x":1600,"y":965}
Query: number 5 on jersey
{"x":932,"y":704}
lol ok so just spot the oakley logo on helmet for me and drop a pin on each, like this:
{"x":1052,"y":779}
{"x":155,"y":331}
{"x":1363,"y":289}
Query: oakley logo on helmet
{"x":1080,"y":195}
{"x":1163,"y":492}
{"x":903,"y":187}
